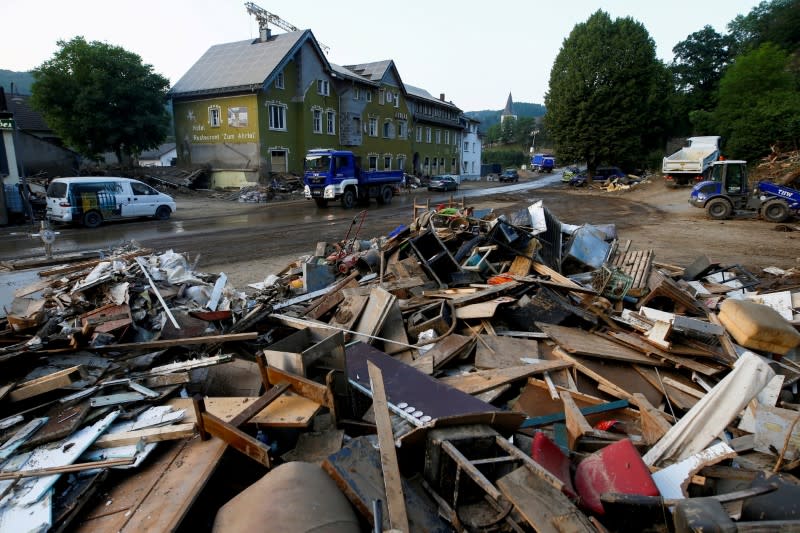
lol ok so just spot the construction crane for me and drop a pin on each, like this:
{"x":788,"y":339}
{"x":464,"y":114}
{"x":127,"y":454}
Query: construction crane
{"x":264,"y":18}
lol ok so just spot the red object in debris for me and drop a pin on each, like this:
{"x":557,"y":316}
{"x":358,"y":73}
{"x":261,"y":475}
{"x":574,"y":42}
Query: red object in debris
{"x":617,"y":468}
{"x":607,"y":425}
{"x":547,"y":453}
{"x":499,"y":279}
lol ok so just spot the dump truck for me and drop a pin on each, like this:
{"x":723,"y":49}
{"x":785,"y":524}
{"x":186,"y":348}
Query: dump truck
{"x":337,"y":175}
{"x":691,"y":163}
{"x":728,"y":191}
{"x":543,"y":162}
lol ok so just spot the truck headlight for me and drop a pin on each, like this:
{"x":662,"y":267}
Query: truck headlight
{"x":307,"y":191}
{"x":701,"y":196}
{"x":329,"y":192}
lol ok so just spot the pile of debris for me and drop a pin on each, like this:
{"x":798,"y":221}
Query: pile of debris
{"x":469,"y":371}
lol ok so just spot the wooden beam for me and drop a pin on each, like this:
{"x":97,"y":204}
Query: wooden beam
{"x":209,"y":424}
{"x":395,"y":500}
{"x":259,"y":405}
{"x":654,"y":425}
{"x":169,"y":343}
{"x":146,"y":436}
{"x":577,"y":426}
{"x":50,"y":382}
{"x":481,"y":381}
{"x":302,"y":386}
{"x":75,"y":467}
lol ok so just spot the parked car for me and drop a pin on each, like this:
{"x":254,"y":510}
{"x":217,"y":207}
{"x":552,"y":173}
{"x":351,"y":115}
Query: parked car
{"x":600,"y":174}
{"x":510,"y":174}
{"x":443,"y":183}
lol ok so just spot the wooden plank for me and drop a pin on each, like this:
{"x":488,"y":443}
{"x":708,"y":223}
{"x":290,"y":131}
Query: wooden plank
{"x":477,"y":382}
{"x":374,"y":315}
{"x":636,"y":342}
{"x":348,"y":312}
{"x":495,"y":351}
{"x":75,"y":467}
{"x":654,"y":425}
{"x":677,"y":397}
{"x":484,"y":294}
{"x":485,"y":309}
{"x":577,"y":426}
{"x":304,"y":387}
{"x":169,"y":343}
{"x":579,"y":342}
{"x":544,"y":507}
{"x":158,"y":434}
{"x":289,"y":410}
{"x":259,"y":405}
{"x":50,"y":382}
{"x":157,"y":496}
{"x":236,"y":438}
{"x":442,"y":352}
{"x":332,"y":299}
{"x":395,"y":501}
{"x":57,"y":271}
{"x":394,"y":329}
{"x":778,"y":431}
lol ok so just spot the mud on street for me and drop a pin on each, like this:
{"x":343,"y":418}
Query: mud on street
{"x":650,"y":215}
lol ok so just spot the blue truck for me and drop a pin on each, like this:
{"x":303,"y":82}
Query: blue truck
{"x":728,"y":191}
{"x":543,"y":162}
{"x":337,"y":175}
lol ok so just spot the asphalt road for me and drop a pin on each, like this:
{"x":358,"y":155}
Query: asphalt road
{"x":224,"y":231}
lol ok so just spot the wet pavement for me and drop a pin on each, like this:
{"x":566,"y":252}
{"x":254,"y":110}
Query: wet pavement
{"x":198,"y":223}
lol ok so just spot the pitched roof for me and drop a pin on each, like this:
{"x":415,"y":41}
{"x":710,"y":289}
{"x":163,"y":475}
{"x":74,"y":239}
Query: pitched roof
{"x":26,"y":118}
{"x":425,"y":95}
{"x":509,"y":104}
{"x":162,"y":149}
{"x":374,"y":71}
{"x":344,"y":72}
{"x":242,"y":65}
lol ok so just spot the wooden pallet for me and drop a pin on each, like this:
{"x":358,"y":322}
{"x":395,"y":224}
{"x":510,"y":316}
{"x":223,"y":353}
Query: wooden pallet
{"x":635,"y":264}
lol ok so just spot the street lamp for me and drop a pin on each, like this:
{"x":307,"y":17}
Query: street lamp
{"x":533,"y":142}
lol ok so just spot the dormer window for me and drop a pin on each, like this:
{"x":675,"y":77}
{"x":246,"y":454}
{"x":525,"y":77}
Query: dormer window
{"x":323,"y":87}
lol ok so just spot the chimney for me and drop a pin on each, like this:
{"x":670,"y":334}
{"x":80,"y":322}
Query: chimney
{"x":264,"y":34}
{"x":441,"y":97}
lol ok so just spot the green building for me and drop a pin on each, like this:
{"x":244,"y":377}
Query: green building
{"x":251,"y":108}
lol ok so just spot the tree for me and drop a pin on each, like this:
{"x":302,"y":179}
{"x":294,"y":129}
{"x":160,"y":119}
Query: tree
{"x":759,"y":103}
{"x":603,"y":93}
{"x":699,"y":62}
{"x":775,"y":21}
{"x":99,"y":97}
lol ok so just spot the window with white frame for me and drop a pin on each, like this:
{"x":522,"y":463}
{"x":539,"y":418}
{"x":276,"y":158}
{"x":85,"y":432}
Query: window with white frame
{"x":446,"y":136}
{"x":389,"y":97}
{"x":438,"y":136}
{"x":279,"y":80}
{"x":419,"y":134}
{"x":331,"y":122}
{"x":402,"y":129}
{"x":428,"y":136}
{"x":401,"y":162}
{"x":357,"y":125}
{"x":473,"y":167}
{"x":387,"y":162}
{"x":369,"y":95}
{"x":215,"y":116}
{"x":357,"y":93}
{"x":277,"y":117}
{"x":323,"y":87}
{"x":466,"y":146}
{"x":465,"y":165}
{"x":381,"y":96}
{"x":317,"y":120}
{"x":373,"y":162}
{"x":373,"y":127}
{"x":396,"y":99}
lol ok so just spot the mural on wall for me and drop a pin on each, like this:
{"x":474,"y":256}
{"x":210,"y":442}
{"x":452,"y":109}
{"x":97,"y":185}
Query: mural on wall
{"x":237,"y":117}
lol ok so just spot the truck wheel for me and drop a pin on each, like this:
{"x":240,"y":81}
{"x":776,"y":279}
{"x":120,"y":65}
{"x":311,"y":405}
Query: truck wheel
{"x":348,"y":199}
{"x":321,"y":202}
{"x":92,"y":219}
{"x":385,"y":196}
{"x":719,"y":209}
{"x":775,"y":211}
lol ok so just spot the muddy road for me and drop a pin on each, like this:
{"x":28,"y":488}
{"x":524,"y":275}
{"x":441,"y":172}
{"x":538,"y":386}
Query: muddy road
{"x":250,"y":241}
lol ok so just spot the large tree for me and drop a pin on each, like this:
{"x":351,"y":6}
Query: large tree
{"x":759,"y":103}
{"x":774,"y":21}
{"x":698,"y":65}
{"x":606,"y":93}
{"x":101,"y":98}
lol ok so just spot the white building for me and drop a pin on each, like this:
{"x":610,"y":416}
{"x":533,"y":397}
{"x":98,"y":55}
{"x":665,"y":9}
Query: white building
{"x":470,"y":150}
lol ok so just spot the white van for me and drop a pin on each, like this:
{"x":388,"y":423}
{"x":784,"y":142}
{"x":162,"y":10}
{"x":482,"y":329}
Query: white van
{"x":91,"y":200}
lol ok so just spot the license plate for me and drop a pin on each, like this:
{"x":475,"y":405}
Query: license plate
{"x":316,"y":192}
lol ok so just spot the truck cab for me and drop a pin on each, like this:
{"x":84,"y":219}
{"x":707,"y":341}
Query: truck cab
{"x":337,"y":174}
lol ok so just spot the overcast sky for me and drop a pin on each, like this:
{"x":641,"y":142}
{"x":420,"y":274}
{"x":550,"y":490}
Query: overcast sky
{"x":475,"y":52}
